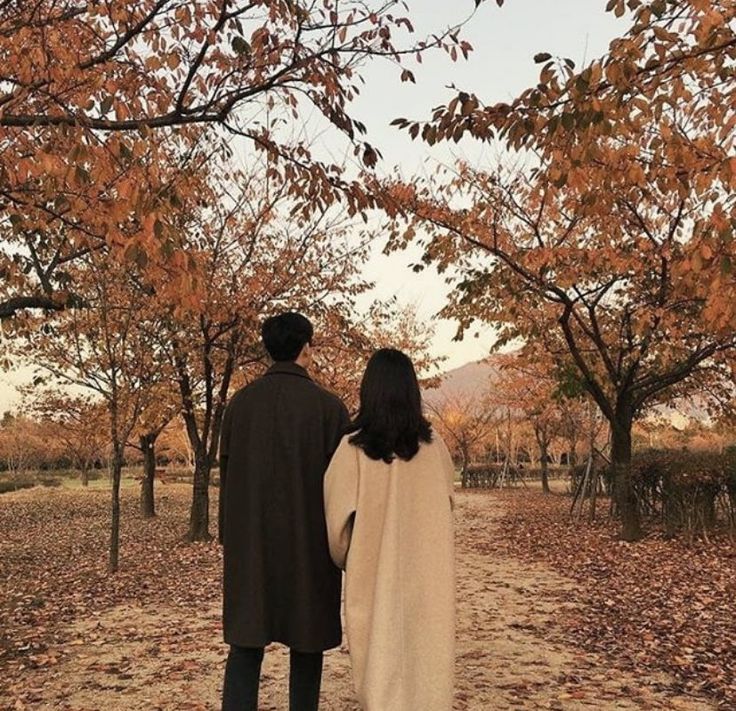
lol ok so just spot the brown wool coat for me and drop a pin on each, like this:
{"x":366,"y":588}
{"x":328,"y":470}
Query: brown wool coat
{"x":280,"y":584}
{"x":391,"y":527}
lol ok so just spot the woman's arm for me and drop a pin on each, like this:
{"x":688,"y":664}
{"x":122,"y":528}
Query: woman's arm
{"x":449,"y":468}
{"x":341,"y":500}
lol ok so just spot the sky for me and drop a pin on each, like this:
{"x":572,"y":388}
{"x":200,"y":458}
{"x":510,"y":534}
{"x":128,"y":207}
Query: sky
{"x":501,"y":65}
{"x":505,"y":41}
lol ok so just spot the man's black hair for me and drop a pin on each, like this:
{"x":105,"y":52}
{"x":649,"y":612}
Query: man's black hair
{"x":285,"y":335}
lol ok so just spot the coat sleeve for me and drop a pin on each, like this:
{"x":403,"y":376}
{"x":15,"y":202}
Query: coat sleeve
{"x":344,"y":419}
{"x":341,"y":423}
{"x":341,"y":500}
{"x":224,"y":452}
{"x":449,"y":469}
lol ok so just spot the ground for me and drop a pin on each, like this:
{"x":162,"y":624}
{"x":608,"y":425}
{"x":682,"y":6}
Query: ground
{"x":72,"y":637}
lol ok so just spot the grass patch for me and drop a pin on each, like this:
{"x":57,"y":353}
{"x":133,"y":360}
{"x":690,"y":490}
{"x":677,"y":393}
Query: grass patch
{"x":16,"y":482}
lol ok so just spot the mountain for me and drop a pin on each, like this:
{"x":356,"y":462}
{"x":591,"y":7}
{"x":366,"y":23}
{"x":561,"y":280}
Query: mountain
{"x":476,"y":376}
{"x":465,"y":380}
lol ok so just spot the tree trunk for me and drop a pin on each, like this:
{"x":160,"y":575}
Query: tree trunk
{"x":199,"y":517}
{"x":593,"y":495}
{"x":572,"y":455}
{"x":148,"y":447}
{"x":628,"y":506}
{"x":464,"y":472}
{"x":85,"y":475}
{"x":204,"y":434}
{"x":544,"y":463}
{"x":117,"y":470}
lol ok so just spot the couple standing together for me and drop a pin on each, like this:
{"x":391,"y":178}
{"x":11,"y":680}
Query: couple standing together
{"x":306,"y":493}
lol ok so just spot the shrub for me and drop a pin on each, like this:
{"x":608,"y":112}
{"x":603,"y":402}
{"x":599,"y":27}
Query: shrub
{"x":51,"y":481}
{"x":691,"y":485}
{"x":684,"y":488}
{"x":16,"y":483}
{"x":481,"y":476}
{"x":647,"y":473}
{"x":489,"y":476}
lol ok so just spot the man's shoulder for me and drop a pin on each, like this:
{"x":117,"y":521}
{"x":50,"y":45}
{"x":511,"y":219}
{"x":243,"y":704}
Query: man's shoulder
{"x":242,"y":394}
{"x":330,"y":398}
{"x":261,"y":387}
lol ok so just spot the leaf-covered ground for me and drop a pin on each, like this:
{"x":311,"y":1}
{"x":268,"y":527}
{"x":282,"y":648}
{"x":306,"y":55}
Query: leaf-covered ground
{"x":147,"y":638}
{"x":656,"y":605}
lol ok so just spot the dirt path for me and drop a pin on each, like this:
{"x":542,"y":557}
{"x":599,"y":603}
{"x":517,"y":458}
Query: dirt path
{"x":509,"y":652}
{"x":510,"y":655}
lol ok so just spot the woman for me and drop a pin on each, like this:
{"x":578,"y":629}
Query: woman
{"x":388,"y":503}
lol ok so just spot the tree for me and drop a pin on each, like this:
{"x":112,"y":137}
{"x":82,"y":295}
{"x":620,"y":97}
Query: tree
{"x":572,"y":423}
{"x":610,"y":236}
{"x":80,"y":424}
{"x":466,"y":420}
{"x":264,"y":253}
{"x":159,"y":409}
{"x":607,"y":291}
{"x":99,"y":99}
{"x":99,"y":346}
{"x":528,"y":385}
{"x":261,"y":252}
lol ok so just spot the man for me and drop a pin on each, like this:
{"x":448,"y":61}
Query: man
{"x":280,"y":584}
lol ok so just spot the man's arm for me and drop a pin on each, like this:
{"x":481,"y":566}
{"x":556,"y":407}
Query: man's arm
{"x":224,"y":452}
{"x":344,"y":421}
{"x":340,"y":421}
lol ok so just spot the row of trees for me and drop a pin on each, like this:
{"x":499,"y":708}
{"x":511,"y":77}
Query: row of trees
{"x":604,"y":241}
{"x":65,"y":433}
{"x":73,"y":436}
{"x":148,"y":358}
{"x":124,"y":208}
{"x":606,"y":237}
{"x":527,"y":414}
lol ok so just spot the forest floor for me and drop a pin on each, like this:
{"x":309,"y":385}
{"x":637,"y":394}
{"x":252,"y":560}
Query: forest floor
{"x":529,"y":637}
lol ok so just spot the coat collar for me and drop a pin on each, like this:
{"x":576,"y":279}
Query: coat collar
{"x":288,"y":367}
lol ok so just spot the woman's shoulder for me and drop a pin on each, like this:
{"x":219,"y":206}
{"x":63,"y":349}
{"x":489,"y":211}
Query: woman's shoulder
{"x":345,"y":439}
{"x":346,"y":447}
{"x":437,"y":448}
{"x":436,"y":442}
{"x":430,"y":449}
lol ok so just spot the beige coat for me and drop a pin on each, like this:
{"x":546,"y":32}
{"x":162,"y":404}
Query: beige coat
{"x":390,"y":527}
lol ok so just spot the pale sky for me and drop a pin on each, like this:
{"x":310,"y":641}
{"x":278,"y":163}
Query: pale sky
{"x":501,"y":65}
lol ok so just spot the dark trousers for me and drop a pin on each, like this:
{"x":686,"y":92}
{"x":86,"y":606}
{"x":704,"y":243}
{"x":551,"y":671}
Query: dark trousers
{"x":243,"y":676}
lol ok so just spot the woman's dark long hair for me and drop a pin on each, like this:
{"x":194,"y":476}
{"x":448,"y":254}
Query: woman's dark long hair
{"x":390,"y":422}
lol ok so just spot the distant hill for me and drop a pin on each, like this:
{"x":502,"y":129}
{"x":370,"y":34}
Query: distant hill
{"x":465,"y":380}
{"x":478,"y":375}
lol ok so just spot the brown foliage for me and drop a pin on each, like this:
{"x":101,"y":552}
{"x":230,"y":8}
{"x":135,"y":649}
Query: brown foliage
{"x":24,"y":445}
{"x":609,"y":241}
{"x":50,"y":573}
{"x":105,"y":107}
{"x":661,"y":605}
{"x":76,"y":427}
